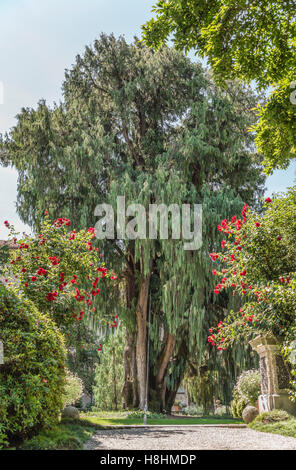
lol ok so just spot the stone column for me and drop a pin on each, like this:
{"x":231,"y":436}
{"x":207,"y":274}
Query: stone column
{"x":275,"y":376}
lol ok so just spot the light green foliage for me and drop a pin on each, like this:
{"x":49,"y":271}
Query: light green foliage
{"x":237,"y":405}
{"x":276,"y":129}
{"x":32,"y":377}
{"x":240,"y":39}
{"x":73,"y":388}
{"x":109,"y":373}
{"x":245,"y":40}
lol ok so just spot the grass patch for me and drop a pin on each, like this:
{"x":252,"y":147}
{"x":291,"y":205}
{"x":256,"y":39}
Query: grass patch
{"x":67,"y":435}
{"x":275,"y":422}
{"x":107,"y":419}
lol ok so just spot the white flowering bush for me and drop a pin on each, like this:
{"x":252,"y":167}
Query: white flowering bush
{"x":246,"y":391}
{"x":73,"y":388}
{"x":249,"y":385}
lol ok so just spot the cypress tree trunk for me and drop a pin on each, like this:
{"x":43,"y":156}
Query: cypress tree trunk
{"x":170,"y":395}
{"x":130,"y":397}
{"x":141,"y":344}
{"x":130,"y":388}
{"x":170,"y":398}
{"x":158,"y":383}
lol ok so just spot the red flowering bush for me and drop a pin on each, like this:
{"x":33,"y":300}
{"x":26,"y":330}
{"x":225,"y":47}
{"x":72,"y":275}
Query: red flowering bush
{"x":258,"y":262}
{"x":59,"y":269}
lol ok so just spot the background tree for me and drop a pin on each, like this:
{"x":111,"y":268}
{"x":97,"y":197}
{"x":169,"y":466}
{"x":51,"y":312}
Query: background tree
{"x":109,"y":373}
{"x":83,"y":341}
{"x":153,"y":127}
{"x":244,"y":40}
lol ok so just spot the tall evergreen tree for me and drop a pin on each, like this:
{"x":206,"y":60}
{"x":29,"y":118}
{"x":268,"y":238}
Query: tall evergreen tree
{"x":153,"y":127}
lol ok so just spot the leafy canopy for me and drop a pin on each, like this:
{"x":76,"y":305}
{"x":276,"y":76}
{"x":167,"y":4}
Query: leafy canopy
{"x":245,"y":40}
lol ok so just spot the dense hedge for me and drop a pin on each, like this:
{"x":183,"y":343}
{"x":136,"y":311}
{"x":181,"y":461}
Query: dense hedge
{"x":32,"y":377}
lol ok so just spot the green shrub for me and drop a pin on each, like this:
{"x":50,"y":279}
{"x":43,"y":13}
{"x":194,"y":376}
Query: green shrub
{"x":273,"y":416}
{"x":32,"y":376}
{"x":64,"y":436}
{"x":276,"y":422}
{"x":237,"y":405}
{"x":73,"y":388}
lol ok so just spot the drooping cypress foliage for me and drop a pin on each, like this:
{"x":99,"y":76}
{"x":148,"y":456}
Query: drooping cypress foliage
{"x":150,"y":126}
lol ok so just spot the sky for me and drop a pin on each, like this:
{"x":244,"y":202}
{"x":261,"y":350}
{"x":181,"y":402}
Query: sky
{"x":38,"y":40}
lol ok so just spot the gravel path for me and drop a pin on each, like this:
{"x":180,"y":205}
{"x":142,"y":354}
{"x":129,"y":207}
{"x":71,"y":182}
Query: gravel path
{"x":188,"y":438}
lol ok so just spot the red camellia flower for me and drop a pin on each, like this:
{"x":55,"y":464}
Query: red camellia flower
{"x":214,"y":256}
{"x":51,"y":296}
{"x":268,"y":200}
{"x":41,"y":272}
{"x":245,"y":208}
{"x":54,"y":260}
{"x":238,"y":224}
{"x":258,"y":224}
{"x":33,"y":278}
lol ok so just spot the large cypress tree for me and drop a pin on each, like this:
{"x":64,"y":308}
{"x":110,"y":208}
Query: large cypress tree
{"x":153,"y":127}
